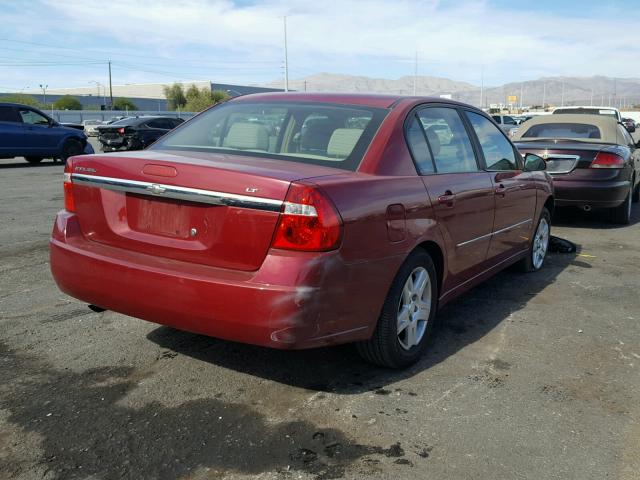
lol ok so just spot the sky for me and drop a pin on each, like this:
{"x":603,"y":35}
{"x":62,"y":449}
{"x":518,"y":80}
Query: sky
{"x":68,"y":43}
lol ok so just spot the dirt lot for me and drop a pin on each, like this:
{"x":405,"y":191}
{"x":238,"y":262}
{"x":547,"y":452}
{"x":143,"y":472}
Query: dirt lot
{"x":531,"y":377}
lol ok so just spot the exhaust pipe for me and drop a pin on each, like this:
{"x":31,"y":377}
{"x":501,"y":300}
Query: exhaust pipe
{"x":96,"y":309}
{"x":587,"y":208}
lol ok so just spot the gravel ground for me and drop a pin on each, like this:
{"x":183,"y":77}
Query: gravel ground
{"x":530,"y":377}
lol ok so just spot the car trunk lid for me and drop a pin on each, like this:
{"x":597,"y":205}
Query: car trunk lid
{"x":210,"y":209}
{"x":562,"y":157}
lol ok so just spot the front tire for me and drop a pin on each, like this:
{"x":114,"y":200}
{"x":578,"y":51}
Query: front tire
{"x":407,"y":319}
{"x":539,"y":244}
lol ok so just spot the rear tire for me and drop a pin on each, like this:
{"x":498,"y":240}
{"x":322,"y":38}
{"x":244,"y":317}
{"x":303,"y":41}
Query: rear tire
{"x":635,"y":198}
{"x":407,"y":320}
{"x":33,"y":160}
{"x":70,"y":148}
{"x":622,"y":213}
{"x":539,"y":245}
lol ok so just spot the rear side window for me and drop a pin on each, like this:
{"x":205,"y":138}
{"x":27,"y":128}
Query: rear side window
{"x":323,"y":134}
{"x":562,"y":130}
{"x":498,"y":152}
{"x":418,"y":146}
{"x":448,"y":140}
{"x":163,"y":123}
{"x":509,"y":121}
{"x":8,"y":114}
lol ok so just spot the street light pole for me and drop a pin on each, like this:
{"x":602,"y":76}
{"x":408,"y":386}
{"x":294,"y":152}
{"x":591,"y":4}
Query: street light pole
{"x":286,"y":57}
{"x":44,"y":93}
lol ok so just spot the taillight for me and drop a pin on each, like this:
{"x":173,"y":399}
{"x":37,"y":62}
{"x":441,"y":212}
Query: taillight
{"x":607,"y":160}
{"x":121,"y":131}
{"x":308,"y":221}
{"x":69,"y":203}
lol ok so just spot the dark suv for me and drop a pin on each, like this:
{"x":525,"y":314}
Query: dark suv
{"x":27,"y":132}
{"x":134,"y":133}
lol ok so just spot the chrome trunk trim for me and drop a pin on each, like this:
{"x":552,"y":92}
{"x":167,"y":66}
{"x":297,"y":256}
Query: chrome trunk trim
{"x":196,"y":195}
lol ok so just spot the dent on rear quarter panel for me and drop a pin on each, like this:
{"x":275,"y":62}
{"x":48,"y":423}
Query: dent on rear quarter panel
{"x":372,"y":259}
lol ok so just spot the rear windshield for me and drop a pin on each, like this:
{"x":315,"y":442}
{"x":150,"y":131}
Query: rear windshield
{"x":317,"y":133}
{"x":588,"y":111}
{"x":562,"y":130}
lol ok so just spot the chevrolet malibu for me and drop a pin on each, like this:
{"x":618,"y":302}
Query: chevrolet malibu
{"x":301,"y":220}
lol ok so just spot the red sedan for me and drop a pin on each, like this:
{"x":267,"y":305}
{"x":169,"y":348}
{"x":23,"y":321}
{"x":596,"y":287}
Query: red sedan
{"x":300,"y":220}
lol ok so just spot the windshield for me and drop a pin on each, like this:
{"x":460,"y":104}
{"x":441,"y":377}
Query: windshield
{"x":317,"y":133}
{"x":562,"y":130}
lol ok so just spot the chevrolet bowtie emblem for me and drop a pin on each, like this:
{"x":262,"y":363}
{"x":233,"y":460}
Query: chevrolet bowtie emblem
{"x":156,"y":189}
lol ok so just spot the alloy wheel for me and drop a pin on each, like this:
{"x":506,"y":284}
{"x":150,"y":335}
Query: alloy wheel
{"x":540,"y":243}
{"x":414,"y":308}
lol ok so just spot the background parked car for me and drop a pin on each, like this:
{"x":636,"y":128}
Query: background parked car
{"x":27,"y":132}
{"x":629,"y":124}
{"x":593,"y":160}
{"x":91,"y":127}
{"x":590,"y":110}
{"x":505,"y":122}
{"x":134,"y":133}
{"x":239,"y":226}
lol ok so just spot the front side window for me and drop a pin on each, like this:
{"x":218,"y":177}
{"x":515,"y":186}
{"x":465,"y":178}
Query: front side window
{"x":498,"y":151}
{"x":317,"y":133}
{"x":448,"y":140}
{"x":509,"y":121}
{"x":32,"y":118}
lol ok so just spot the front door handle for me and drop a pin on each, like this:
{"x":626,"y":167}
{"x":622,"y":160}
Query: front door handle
{"x":448,"y":199}
{"x":501,"y":190}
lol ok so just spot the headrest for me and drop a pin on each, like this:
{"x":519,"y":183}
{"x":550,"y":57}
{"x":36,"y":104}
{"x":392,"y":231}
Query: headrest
{"x":247,"y":136}
{"x":342,"y":142}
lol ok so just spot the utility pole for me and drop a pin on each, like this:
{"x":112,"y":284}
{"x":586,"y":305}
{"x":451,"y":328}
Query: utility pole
{"x":110,"y":89}
{"x":415,"y":75}
{"x":521,"y":94}
{"x":44,"y":93}
{"x":305,"y":85}
{"x":562,"y":97}
{"x":286,"y":57}
{"x":481,"y":86}
{"x":591,"y":102}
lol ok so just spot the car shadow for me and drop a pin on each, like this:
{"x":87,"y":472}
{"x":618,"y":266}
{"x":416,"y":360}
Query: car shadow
{"x":597,"y":218}
{"x":21,"y":163}
{"x":340,"y":370}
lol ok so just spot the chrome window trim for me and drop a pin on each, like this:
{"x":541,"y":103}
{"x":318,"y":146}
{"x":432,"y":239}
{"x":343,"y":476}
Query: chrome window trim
{"x":510,"y":227}
{"x":179,"y":193}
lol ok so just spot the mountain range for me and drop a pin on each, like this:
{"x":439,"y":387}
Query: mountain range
{"x":598,"y":90}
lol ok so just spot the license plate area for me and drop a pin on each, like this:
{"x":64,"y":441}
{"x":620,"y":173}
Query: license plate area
{"x":166,"y":217}
{"x":561,"y":163}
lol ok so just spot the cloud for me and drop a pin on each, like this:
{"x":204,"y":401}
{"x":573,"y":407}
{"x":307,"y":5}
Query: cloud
{"x":374,"y":38}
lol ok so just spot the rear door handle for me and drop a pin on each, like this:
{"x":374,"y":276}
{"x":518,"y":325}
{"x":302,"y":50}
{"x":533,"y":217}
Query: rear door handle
{"x":448,"y":199}
{"x":500,"y":190}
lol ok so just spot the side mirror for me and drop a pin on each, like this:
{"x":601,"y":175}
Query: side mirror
{"x":631,"y":128}
{"x":534,"y":163}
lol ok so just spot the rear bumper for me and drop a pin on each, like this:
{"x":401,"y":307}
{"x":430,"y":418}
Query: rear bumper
{"x":597,"y":194}
{"x":295,"y":300}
